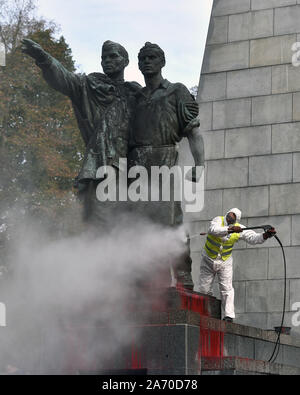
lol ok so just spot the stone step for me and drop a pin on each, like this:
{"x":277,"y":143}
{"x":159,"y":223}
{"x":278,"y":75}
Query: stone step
{"x":247,"y":342}
{"x":244,"y":366}
{"x":179,"y":334}
{"x":171,"y":332}
{"x":181,"y":299}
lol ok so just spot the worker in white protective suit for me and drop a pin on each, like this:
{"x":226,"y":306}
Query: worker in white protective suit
{"x":223,"y":233}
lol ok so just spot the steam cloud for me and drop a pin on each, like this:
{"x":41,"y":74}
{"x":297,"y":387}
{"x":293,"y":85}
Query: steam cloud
{"x":67,"y":300}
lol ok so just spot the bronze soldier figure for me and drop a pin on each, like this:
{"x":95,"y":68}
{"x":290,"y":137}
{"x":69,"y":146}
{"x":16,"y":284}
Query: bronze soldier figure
{"x":165,"y":113}
{"x":103,"y":105}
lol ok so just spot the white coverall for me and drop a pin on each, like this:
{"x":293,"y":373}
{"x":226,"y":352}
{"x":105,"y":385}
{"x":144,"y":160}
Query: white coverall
{"x":223,"y":269}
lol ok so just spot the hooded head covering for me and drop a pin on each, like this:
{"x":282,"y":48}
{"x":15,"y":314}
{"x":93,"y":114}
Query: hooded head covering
{"x":237,"y":213}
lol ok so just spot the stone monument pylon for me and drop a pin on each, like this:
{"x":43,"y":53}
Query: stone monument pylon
{"x":249,"y":97}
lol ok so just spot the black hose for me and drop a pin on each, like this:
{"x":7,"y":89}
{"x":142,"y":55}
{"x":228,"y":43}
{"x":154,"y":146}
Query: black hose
{"x":277,"y":344}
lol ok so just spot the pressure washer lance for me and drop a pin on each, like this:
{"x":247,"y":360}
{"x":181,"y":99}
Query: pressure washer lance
{"x":266,"y":228}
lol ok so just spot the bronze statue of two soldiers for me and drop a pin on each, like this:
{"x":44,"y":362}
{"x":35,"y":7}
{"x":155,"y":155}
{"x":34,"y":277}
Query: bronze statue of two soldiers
{"x":119,"y":119}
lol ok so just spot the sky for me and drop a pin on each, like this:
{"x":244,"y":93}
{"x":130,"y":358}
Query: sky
{"x":179,"y":27}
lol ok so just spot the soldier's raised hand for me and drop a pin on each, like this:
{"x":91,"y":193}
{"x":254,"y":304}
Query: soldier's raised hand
{"x":195,"y":173}
{"x":32,"y":49}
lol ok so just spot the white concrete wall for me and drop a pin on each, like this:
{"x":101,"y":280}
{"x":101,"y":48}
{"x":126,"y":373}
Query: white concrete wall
{"x":249,"y":98}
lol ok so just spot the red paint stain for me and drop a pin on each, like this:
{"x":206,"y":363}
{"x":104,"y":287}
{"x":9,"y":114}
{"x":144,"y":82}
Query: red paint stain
{"x":136,"y":359}
{"x":211,"y":343}
{"x":193,"y":302}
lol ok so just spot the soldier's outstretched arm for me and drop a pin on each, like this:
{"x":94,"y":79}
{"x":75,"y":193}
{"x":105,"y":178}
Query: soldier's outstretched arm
{"x":33,"y":49}
{"x":57,"y":76}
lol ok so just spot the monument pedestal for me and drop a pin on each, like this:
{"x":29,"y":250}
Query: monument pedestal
{"x":183,"y":335}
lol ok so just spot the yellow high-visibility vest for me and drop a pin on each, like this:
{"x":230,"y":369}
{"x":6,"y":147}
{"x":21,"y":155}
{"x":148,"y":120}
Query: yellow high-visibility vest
{"x":214,"y":245}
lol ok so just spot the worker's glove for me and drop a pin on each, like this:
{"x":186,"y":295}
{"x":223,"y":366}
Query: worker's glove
{"x":235,"y":229}
{"x":269,"y":233}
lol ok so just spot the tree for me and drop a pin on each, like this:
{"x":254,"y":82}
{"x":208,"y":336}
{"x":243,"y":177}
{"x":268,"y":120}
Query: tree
{"x":16,"y":18}
{"x":40,"y":144}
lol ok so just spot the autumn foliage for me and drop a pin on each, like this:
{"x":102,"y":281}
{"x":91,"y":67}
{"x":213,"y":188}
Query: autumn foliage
{"x":40,"y":144}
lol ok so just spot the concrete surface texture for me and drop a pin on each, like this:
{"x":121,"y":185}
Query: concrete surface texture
{"x":249,"y":98}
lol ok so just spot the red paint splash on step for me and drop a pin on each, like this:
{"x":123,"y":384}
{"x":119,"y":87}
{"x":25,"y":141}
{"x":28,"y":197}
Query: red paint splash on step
{"x":193,"y":302}
{"x":211,"y":343}
{"x":136,"y":358}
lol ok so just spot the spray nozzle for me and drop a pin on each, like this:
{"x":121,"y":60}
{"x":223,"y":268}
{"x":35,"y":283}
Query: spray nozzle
{"x":267,"y":227}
